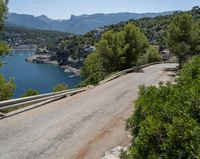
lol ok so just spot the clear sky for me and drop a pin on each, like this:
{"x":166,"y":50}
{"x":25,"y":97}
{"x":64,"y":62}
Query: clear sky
{"x":62,"y":9}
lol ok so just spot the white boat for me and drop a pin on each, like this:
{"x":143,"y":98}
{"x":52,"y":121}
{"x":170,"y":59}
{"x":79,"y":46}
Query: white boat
{"x":72,"y":76}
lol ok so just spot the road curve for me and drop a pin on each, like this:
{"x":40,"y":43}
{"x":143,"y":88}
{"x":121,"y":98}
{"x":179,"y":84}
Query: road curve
{"x":82,"y":126}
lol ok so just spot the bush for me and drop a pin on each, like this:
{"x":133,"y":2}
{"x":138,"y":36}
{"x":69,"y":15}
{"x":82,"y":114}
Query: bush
{"x":30,"y":92}
{"x":151,"y":55}
{"x":92,"y":69}
{"x":183,"y":37}
{"x":7,"y":88}
{"x":166,"y":121}
{"x":60,"y":87}
{"x":4,"y":49}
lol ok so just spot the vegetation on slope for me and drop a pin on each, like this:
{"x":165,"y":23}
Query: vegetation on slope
{"x":166,"y":120}
{"x":60,"y":87}
{"x":183,"y":37}
{"x":125,"y":45}
{"x":30,"y":92}
{"x":6,"y":87}
{"x":16,"y":36}
{"x":117,"y":51}
{"x":154,"y":29}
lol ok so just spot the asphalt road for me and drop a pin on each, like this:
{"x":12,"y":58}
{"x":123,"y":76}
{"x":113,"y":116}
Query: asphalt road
{"x":81,"y":126}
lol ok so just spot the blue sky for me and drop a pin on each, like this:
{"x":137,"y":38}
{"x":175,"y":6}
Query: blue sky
{"x":62,"y":9}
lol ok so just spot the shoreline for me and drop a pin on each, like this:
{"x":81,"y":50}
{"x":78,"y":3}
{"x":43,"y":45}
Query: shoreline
{"x":22,"y":49}
{"x":46,"y":60}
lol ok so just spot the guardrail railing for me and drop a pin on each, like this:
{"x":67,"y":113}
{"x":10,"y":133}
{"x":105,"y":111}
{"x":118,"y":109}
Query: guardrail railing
{"x":43,"y":97}
{"x":133,"y":69}
{"x":38,"y":98}
{"x":127,"y":71}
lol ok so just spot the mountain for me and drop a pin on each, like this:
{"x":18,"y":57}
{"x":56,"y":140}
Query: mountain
{"x":28,"y":21}
{"x":76,"y":24}
{"x":45,"y":19}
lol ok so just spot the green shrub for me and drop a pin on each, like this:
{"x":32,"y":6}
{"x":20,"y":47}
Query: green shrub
{"x":4,"y":49}
{"x":151,"y":55}
{"x":7,"y":88}
{"x":166,"y":121}
{"x":92,"y":69}
{"x":60,"y":87}
{"x":183,"y":37}
{"x":30,"y":92}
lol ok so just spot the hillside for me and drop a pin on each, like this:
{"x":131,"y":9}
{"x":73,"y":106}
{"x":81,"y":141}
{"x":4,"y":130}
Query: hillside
{"x":76,"y":24}
{"x":21,"y":37}
{"x":72,"y":51}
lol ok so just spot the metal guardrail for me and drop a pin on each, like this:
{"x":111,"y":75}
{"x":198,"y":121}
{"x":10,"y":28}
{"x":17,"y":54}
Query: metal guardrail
{"x":38,"y":98}
{"x":43,"y":97}
{"x":133,"y":69}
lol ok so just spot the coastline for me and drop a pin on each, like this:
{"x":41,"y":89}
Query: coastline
{"x":40,"y":77}
{"x":45,"y":59}
{"x":12,"y":49}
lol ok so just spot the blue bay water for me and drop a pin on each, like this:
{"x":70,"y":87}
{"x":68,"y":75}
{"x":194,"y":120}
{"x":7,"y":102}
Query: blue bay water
{"x":42,"y":77}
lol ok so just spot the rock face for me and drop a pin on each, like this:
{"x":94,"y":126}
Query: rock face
{"x":114,"y":153}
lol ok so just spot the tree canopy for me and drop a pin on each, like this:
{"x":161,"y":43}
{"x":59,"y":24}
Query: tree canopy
{"x":117,"y":51}
{"x":6,"y":87}
{"x":3,"y":12}
{"x":183,"y":37}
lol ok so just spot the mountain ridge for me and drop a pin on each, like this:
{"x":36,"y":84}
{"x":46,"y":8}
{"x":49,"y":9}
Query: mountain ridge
{"x":80,"y":24}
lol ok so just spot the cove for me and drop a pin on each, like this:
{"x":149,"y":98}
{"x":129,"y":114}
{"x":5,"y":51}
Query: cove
{"x":42,"y":77}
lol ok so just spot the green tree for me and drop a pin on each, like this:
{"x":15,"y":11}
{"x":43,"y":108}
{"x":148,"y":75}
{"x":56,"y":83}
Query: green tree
{"x":60,"y":87}
{"x":111,"y":49}
{"x":4,"y":49}
{"x":6,"y":87}
{"x":196,"y":12}
{"x":121,"y":50}
{"x":92,"y":69}
{"x":135,"y":44}
{"x":114,"y":52}
{"x":195,"y":42}
{"x":3,"y":12}
{"x":152,"y":55}
{"x":30,"y":92}
{"x":179,"y":36}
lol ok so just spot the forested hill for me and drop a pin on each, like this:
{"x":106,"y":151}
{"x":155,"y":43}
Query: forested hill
{"x":76,"y":24}
{"x":17,"y":36}
{"x":78,"y":47}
